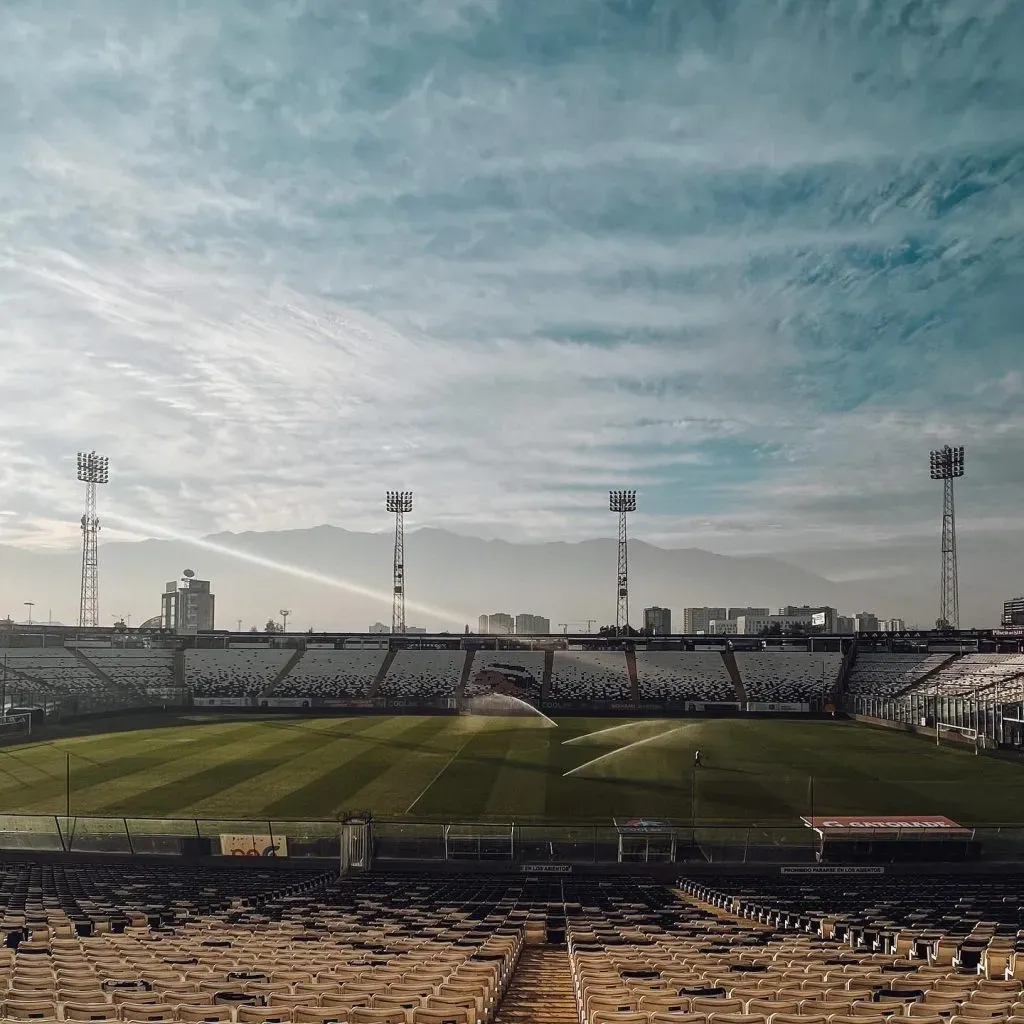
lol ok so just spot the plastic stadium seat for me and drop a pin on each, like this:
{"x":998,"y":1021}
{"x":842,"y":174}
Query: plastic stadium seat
{"x":320,"y":1015}
{"x":432,"y":1015}
{"x":367,"y":1015}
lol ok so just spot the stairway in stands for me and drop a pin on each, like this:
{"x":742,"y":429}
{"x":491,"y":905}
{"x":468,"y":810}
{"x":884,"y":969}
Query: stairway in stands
{"x":541,"y":989}
{"x":733,"y":669}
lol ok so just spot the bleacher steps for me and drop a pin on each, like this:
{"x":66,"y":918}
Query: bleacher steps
{"x":838,"y":692}
{"x":286,"y":671}
{"x":634,"y":682}
{"x":382,"y":672}
{"x":97,"y":671}
{"x":917,"y":683}
{"x":467,"y":669}
{"x":549,"y":668}
{"x":734,"y":674}
{"x":541,"y":990}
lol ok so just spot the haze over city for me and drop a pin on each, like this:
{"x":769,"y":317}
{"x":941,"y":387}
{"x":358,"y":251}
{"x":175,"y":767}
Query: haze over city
{"x":753,"y":260}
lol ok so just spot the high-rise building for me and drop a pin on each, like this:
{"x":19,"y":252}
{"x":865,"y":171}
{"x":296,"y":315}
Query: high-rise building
{"x":891,"y":625}
{"x":721,"y":627}
{"x":846,"y":624}
{"x":696,"y":620}
{"x":823,"y":617}
{"x":865,"y":622}
{"x":498,"y":624}
{"x":532,"y":625}
{"x":481,"y":626}
{"x":415,"y":629}
{"x":186,"y":605}
{"x":752,"y":625}
{"x":1013,"y":612}
{"x":759,"y":613}
{"x":658,"y":621}
{"x":379,"y":627}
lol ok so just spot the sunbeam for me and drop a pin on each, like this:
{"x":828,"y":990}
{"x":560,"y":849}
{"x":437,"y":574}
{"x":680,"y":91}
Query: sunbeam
{"x":384,"y":597}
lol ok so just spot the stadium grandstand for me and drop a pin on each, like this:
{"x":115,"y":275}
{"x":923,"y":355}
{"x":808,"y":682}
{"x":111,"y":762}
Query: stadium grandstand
{"x":567,"y":861}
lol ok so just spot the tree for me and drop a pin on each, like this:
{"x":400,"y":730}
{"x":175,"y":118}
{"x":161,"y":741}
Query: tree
{"x":272,"y":627}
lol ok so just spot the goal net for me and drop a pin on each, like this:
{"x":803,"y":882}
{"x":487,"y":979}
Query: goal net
{"x":962,"y":734}
{"x":15,"y":724}
{"x":478,"y":841}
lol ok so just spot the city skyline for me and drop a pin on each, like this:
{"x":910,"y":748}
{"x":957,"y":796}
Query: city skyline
{"x":255,"y":575}
{"x":754,"y":264}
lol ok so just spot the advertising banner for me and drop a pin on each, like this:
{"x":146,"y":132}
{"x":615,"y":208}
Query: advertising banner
{"x":221,"y":702}
{"x":285,"y":702}
{"x":868,"y":825}
{"x":253,"y":846}
{"x":790,"y":708}
{"x":825,"y":869}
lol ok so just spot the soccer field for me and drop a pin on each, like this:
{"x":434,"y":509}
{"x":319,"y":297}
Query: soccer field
{"x":586,"y":769}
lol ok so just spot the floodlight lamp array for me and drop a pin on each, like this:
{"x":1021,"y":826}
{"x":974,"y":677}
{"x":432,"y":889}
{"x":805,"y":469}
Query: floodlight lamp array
{"x":93,"y":468}
{"x":946,"y":463}
{"x":399,"y":501}
{"x":622,"y":501}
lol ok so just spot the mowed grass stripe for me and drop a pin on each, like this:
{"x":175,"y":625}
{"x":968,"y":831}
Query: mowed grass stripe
{"x":394,"y":789}
{"x":757,"y":771}
{"x":92,"y":780}
{"x":464,"y":790}
{"x":521,"y":785}
{"x":320,"y":746}
{"x":369,"y":756}
{"x":29,"y":765}
{"x":232,"y":756}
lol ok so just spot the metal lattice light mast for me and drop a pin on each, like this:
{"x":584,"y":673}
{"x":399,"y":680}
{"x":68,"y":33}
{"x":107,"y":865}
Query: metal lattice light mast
{"x":399,"y":502}
{"x":93,"y":470}
{"x":622,"y":502}
{"x":946,"y":465}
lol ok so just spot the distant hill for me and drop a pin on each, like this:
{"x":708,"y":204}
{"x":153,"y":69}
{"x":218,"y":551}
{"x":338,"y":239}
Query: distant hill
{"x":455,"y":577}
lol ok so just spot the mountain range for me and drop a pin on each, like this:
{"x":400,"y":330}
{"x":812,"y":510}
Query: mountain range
{"x":331,"y":578}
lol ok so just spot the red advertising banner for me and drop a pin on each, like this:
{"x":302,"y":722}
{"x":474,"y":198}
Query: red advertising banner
{"x":888,"y":824}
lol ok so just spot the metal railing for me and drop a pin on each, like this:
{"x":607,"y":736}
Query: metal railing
{"x":400,"y":840}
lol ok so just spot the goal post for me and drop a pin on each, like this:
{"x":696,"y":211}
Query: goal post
{"x":964,"y":735}
{"x":479,"y":841}
{"x":15,"y":724}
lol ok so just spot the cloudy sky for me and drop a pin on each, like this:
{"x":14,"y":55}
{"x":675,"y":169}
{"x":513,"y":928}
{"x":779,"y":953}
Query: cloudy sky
{"x":753,"y":259}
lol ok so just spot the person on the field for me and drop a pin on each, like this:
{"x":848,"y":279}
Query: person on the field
{"x":697,"y":762}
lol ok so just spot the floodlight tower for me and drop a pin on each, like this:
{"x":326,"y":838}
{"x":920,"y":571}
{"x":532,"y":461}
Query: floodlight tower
{"x":399,"y":502}
{"x":946,"y":465}
{"x":622,"y":502}
{"x":93,"y":470}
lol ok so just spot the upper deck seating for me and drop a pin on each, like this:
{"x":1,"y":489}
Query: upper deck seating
{"x":786,"y":676}
{"x":323,"y":673}
{"x":53,"y":673}
{"x":418,"y":674}
{"x":148,"y":672}
{"x":683,"y":676}
{"x":512,"y":670}
{"x":237,"y":672}
{"x":886,"y":675}
{"x":998,"y":675}
{"x":590,"y":675}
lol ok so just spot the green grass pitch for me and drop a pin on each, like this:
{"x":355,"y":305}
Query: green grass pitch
{"x":508,"y":768}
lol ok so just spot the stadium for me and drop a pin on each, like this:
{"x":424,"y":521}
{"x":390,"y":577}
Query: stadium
{"x":456,"y":830}
{"x":204,"y":826}
{"x":759,"y":261}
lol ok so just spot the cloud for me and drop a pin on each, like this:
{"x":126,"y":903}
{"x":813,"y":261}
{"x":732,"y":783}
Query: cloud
{"x":752,"y":262}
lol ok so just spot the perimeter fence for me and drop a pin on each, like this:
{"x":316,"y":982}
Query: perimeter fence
{"x":395,"y":841}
